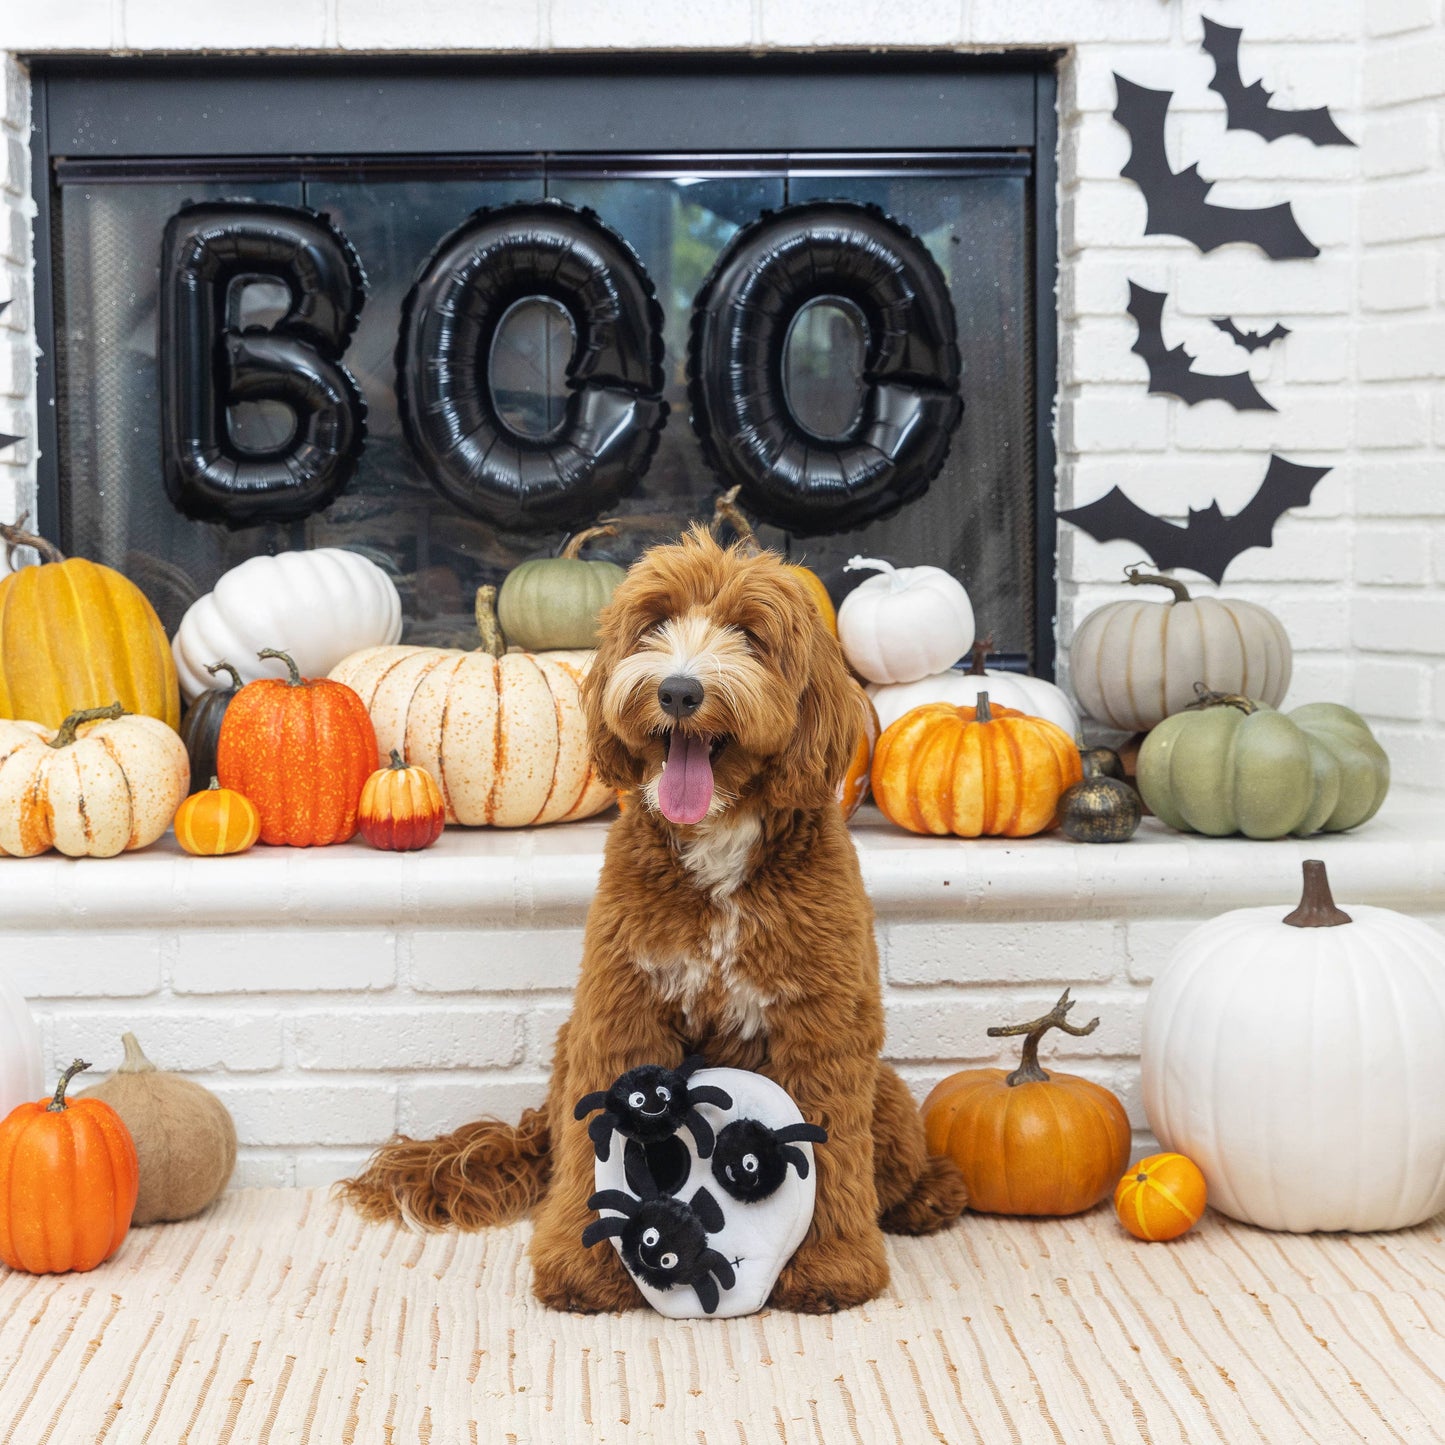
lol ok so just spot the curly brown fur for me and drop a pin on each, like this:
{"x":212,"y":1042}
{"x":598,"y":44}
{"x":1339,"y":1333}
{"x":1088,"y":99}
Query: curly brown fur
{"x":745,"y":936}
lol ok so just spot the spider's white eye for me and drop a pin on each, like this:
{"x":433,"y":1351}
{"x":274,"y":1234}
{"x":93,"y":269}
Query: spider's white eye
{"x":750,"y":1163}
{"x":637,"y":1100}
{"x":665,"y":1094}
{"x":650,"y":1237}
{"x":668,"y":1261}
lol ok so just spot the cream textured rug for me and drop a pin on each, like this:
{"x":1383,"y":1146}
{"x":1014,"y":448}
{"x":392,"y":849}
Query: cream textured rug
{"x":279,"y":1317}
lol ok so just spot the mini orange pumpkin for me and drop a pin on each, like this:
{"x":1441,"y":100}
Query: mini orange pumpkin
{"x":68,"y":1182}
{"x":1161,"y":1197}
{"x":217,"y":821}
{"x":1030,"y":1142}
{"x":401,"y":807}
{"x":973,"y":770}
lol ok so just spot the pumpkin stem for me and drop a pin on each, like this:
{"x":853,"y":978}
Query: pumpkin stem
{"x":398,"y":763}
{"x":15,"y":536}
{"x":1136,"y":577}
{"x":1028,"y":1071}
{"x":726,"y":510}
{"x":572,"y":549}
{"x":135,"y":1061}
{"x":215,"y":784}
{"x":223,"y":666}
{"x":1204,"y":698}
{"x":1317,"y":904}
{"x":487,"y":625}
{"x":982,"y":712}
{"x":295,"y":680}
{"x":57,"y":1104}
{"x":66,"y":733}
{"x":868,"y":564}
{"x":980,"y":651}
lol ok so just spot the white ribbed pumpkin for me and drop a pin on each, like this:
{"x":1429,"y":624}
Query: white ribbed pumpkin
{"x":317,"y":606}
{"x":21,"y":1066}
{"x":1134,"y":663}
{"x":1301,"y":1065}
{"x":904,"y":624}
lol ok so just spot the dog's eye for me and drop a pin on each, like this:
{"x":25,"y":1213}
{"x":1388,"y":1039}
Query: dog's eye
{"x":665,"y":1094}
{"x":637,"y":1100}
{"x":650,"y":1237}
{"x":750,"y":1163}
{"x":668,"y":1261}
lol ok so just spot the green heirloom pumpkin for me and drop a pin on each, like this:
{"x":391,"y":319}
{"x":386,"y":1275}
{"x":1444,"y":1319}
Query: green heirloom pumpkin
{"x":553,"y":602}
{"x":1237,"y":766}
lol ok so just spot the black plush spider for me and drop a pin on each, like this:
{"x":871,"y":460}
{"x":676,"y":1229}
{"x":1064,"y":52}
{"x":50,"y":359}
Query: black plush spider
{"x":650,"y":1104}
{"x":664,"y":1241}
{"x":751,"y":1160}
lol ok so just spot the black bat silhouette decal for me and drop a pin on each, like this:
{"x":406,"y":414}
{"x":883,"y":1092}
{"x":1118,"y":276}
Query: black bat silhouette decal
{"x":5,"y":437}
{"x":1171,"y":369}
{"x":1247,"y":107}
{"x":1251,"y":340}
{"x":1176,"y":204}
{"x":1209,"y":541}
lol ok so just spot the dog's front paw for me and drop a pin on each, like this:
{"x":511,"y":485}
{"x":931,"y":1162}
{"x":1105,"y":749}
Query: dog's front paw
{"x":938,"y":1197}
{"x":832,"y":1275}
{"x":586,"y":1281}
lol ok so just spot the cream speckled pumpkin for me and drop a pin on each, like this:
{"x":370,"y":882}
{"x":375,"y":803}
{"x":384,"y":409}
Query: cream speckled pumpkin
{"x":102,"y":784}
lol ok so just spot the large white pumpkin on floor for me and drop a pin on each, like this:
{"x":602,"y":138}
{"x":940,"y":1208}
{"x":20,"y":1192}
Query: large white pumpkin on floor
{"x":317,"y":606}
{"x":502,"y":733}
{"x":1134,"y":663}
{"x":21,"y":1076}
{"x":1031,"y":695}
{"x":905,"y":623}
{"x":1299,"y":1062}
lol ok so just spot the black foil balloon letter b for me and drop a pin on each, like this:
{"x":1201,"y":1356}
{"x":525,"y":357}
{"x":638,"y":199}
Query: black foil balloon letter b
{"x":207,"y":366}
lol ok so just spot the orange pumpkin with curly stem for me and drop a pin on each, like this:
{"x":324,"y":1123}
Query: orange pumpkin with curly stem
{"x":301,"y":750}
{"x":401,"y":807}
{"x":69,"y":1177}
{"x":973,"y":771}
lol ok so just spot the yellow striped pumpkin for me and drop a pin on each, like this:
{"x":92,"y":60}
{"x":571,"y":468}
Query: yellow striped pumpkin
{"x":217,"y":821}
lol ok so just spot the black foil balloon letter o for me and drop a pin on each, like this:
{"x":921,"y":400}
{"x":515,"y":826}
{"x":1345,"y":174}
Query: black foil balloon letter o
{"x":750,"y":435}
{"x":207,"y":366}
{"x":614,"y":408}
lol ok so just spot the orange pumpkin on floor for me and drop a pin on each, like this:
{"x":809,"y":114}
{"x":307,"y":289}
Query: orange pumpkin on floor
{"x":301,"y":750}
{"x":1161,"y":1197}
{"x":69,"y":1177}
{"x":401,"y":807}
{"x":1030,"y":1142}
{"x":972,"y":771}
{"x":217,"y":821}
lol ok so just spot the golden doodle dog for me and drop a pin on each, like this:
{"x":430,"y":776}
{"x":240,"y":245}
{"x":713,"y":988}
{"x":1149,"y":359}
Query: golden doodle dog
{"x":730,"y":920}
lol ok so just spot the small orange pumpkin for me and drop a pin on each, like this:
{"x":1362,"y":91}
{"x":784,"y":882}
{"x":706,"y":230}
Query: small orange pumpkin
{"x":1161,"y":1197}
{"x":972,"y":771}
{"x":1030,"y":1142}
{"x":401,"y":807}
{"x":854,"y":787}
{"x":217,"y":821}
{"x":69,"y":1177}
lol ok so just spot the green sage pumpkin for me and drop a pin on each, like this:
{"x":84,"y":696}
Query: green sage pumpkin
{"x":1233,"y":765}
{"x":553,"y":602}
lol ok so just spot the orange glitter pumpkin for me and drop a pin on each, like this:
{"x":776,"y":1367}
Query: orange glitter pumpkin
{"x":217,"y":821}
{"x":301,"y":750}
{"x":1161,"y":1197}
{"x":69,"y":1177}
{"x":401,"y":807}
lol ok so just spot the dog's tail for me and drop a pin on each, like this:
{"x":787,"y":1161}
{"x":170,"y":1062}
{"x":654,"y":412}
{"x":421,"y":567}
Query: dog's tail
{"x":481,"y":1174}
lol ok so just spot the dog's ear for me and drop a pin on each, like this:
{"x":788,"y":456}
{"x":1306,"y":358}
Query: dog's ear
{"x":615,"y":764}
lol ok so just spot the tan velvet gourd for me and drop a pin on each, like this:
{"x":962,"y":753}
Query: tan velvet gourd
{"x":183,"y":1133}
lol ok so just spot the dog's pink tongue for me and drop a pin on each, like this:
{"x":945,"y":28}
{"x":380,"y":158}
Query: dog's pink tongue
{"x":684,"y":791}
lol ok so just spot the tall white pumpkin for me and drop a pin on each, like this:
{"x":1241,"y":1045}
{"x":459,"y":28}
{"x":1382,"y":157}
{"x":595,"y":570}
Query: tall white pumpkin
{"x":904,"y":624}
{"x":1299,"y":1062}
{"x":21,"y":1076}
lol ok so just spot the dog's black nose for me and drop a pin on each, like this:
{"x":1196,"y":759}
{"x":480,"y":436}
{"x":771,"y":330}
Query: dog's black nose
{"x":680,"y":696}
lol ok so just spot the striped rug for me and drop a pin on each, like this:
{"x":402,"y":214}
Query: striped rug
{"x":280,"y":1317}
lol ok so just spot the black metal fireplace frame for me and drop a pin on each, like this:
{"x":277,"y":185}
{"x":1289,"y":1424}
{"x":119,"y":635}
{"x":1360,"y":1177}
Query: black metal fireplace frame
{"x":146,"y":118}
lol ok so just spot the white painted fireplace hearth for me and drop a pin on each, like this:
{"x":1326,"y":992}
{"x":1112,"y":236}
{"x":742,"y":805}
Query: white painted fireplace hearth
{"x":332,"y":996}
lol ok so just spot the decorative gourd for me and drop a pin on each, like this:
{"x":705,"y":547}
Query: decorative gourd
{"x":301,"y":751}
{"x":201,"y":726}
{"x":1100,"y":810}
{"x":101,"y":784}
{"x":726,"y":511}
{"x":905,"y":624}
{"x":1031,"y":695}
{"x":68,"y":1181}
{"x":502,"y":733}
{"x":217,"y":821}
{"x":75,"y":635}
{"x":1134,"y":663}
{"x":553,"y":602}
{"x":1236,"y":766}
{"x":854,"y":787}
{"x":973,"y":771}
{"x":184,"y":1136}
{"x":319,"y":605}
{"x":401,"y":807}
{"x":1028,"y":1142}
{"x":1161,"y":1197}
{"x":21,"y":1069}
{"x":1297,"y":1060}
